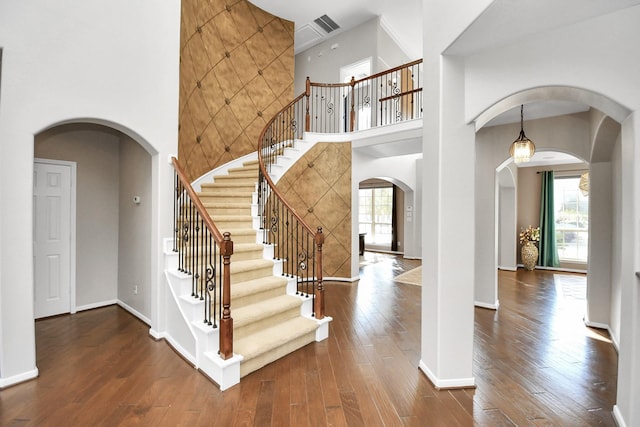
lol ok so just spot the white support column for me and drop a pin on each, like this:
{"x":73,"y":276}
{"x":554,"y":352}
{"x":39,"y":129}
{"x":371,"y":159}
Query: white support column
{"x":486,"y":242}
{"x":448,"y":228}
{"x":17,"y":331}
{"x":599,"y":267}
{"x":627,"y":410}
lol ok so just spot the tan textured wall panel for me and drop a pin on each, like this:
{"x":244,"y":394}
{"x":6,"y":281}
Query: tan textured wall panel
{"x":318,"y":187}
{"x":236,"y":72}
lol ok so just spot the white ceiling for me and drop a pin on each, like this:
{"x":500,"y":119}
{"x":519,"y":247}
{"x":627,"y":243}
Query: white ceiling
{"x":401,"y":18}
{"x":538,"y":110}
{"x":506,"y":21}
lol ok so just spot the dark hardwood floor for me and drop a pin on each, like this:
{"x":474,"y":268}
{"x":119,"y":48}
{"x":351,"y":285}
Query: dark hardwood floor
{"x":535,"y":364}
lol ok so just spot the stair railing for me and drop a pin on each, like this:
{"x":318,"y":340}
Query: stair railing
{"x":205,"y":254}
{"x":295,"y":244}
{"x":385,"y":98}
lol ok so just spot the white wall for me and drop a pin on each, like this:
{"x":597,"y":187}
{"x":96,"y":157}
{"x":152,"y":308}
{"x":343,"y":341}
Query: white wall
{"x":595,"y":55}
{"x":593,"y":62}
{"x":134,"y":242}
{"x":96,"y":152}
{"x":616,"y":242}
{"x":322,"y":64}
{"x":400,"y":170}
{"x":114,"y":63}
{"x":507,"y":219}
{"x":390,"y":55}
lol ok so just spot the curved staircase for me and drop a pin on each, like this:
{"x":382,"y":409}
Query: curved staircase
{"x":269,"y":319}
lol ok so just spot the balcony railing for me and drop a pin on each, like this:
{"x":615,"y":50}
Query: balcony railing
{"x":385,"y":98}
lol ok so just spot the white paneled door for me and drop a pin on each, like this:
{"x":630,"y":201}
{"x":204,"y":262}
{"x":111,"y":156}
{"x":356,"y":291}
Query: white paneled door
{"x":52,"y":222}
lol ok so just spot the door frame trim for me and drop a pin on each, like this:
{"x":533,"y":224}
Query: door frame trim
{"x":72,"y":228}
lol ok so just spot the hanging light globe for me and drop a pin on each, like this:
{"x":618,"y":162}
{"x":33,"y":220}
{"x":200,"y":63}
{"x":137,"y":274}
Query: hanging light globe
{"x":522,"y":148}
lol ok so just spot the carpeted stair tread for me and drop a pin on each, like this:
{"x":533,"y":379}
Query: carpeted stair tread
{"x":227,"y":208}
{"x":247,"y":251}
{"x":226,"y":222}
{"x":247,"y":235}
{"x":248,"y":265}
{"x":259,"y":311}
{"x":238,"y":174}
{"x":248,"y":287}
{"x":273,"y":337}
{"x":233,"y":195}
{"x":224,"y":205}
{"x":246,"y":168}
{"x":230,"y":186}
{"x":247,"y":247}
{"x":231,"y":218}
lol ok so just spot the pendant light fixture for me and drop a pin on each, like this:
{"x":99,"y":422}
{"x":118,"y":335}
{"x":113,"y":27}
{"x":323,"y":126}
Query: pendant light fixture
{"x":583,"y":185}
{"x":522,"y":148}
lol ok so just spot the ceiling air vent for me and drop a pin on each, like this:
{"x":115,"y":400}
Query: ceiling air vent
{"x":326,"y":23}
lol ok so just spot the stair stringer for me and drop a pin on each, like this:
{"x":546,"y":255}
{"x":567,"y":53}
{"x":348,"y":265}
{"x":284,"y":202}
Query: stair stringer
{"x":187,"y":333}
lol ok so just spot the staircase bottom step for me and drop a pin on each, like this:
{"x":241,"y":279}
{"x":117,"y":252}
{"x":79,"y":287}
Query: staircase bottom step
{"x":273,"y":343}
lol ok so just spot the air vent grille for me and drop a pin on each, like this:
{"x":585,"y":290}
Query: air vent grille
{"x":326,"y":23}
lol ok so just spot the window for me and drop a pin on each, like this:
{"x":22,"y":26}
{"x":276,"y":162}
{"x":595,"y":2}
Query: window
{"x":572,"y":219}
{"x":376,"y":208}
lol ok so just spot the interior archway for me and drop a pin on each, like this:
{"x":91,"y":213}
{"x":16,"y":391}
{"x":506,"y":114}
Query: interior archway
{"x":601,"y":139}
{"x":115,"y":201}
{"x":401,"y":211}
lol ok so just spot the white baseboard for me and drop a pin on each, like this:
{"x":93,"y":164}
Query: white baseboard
{"x":487,"y":306}
{"x":341,"y":279}
{"x":618,"y":418}
{"x":565,"y":270}
{"x":20,"y":378}
{"x":606,"y":327}
{"x":596,"y":325}
{"x":180,"y":350}
{"x":135,"y":312}
{"x":96,"y":305}
{"x":614,"y":341}
{"x":502,"y":267}
{"x":447,"y":384}
{"x":155,"y":334}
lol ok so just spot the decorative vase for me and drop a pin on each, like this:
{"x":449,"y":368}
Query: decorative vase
{"x":529,"y":255}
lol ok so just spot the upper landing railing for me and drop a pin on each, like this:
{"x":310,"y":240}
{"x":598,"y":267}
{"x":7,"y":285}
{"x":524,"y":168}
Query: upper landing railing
{"x":385,"y":98}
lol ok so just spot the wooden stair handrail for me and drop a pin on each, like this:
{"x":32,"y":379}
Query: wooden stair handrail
{"x":398,"y":95}
{"x":217,"y":235}
{"x":389,"y":71}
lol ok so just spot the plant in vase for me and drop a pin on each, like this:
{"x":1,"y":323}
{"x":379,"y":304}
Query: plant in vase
{"x":529,"y":237}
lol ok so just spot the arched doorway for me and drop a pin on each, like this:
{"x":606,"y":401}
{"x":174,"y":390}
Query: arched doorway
{"x":112,"y":262}
{"x":573,"y":132}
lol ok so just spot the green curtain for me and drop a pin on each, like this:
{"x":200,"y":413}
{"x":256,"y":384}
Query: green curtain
{"x":548,"y":249}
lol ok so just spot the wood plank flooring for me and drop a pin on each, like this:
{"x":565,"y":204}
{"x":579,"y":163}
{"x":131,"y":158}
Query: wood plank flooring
{"x":535,"y":364}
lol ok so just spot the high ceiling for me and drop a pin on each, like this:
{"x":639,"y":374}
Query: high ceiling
{"x":401,"y":18}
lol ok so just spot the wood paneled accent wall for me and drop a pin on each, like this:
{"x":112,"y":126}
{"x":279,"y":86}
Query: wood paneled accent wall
{"x":318,"y":187}
{"x":236,"y":73}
